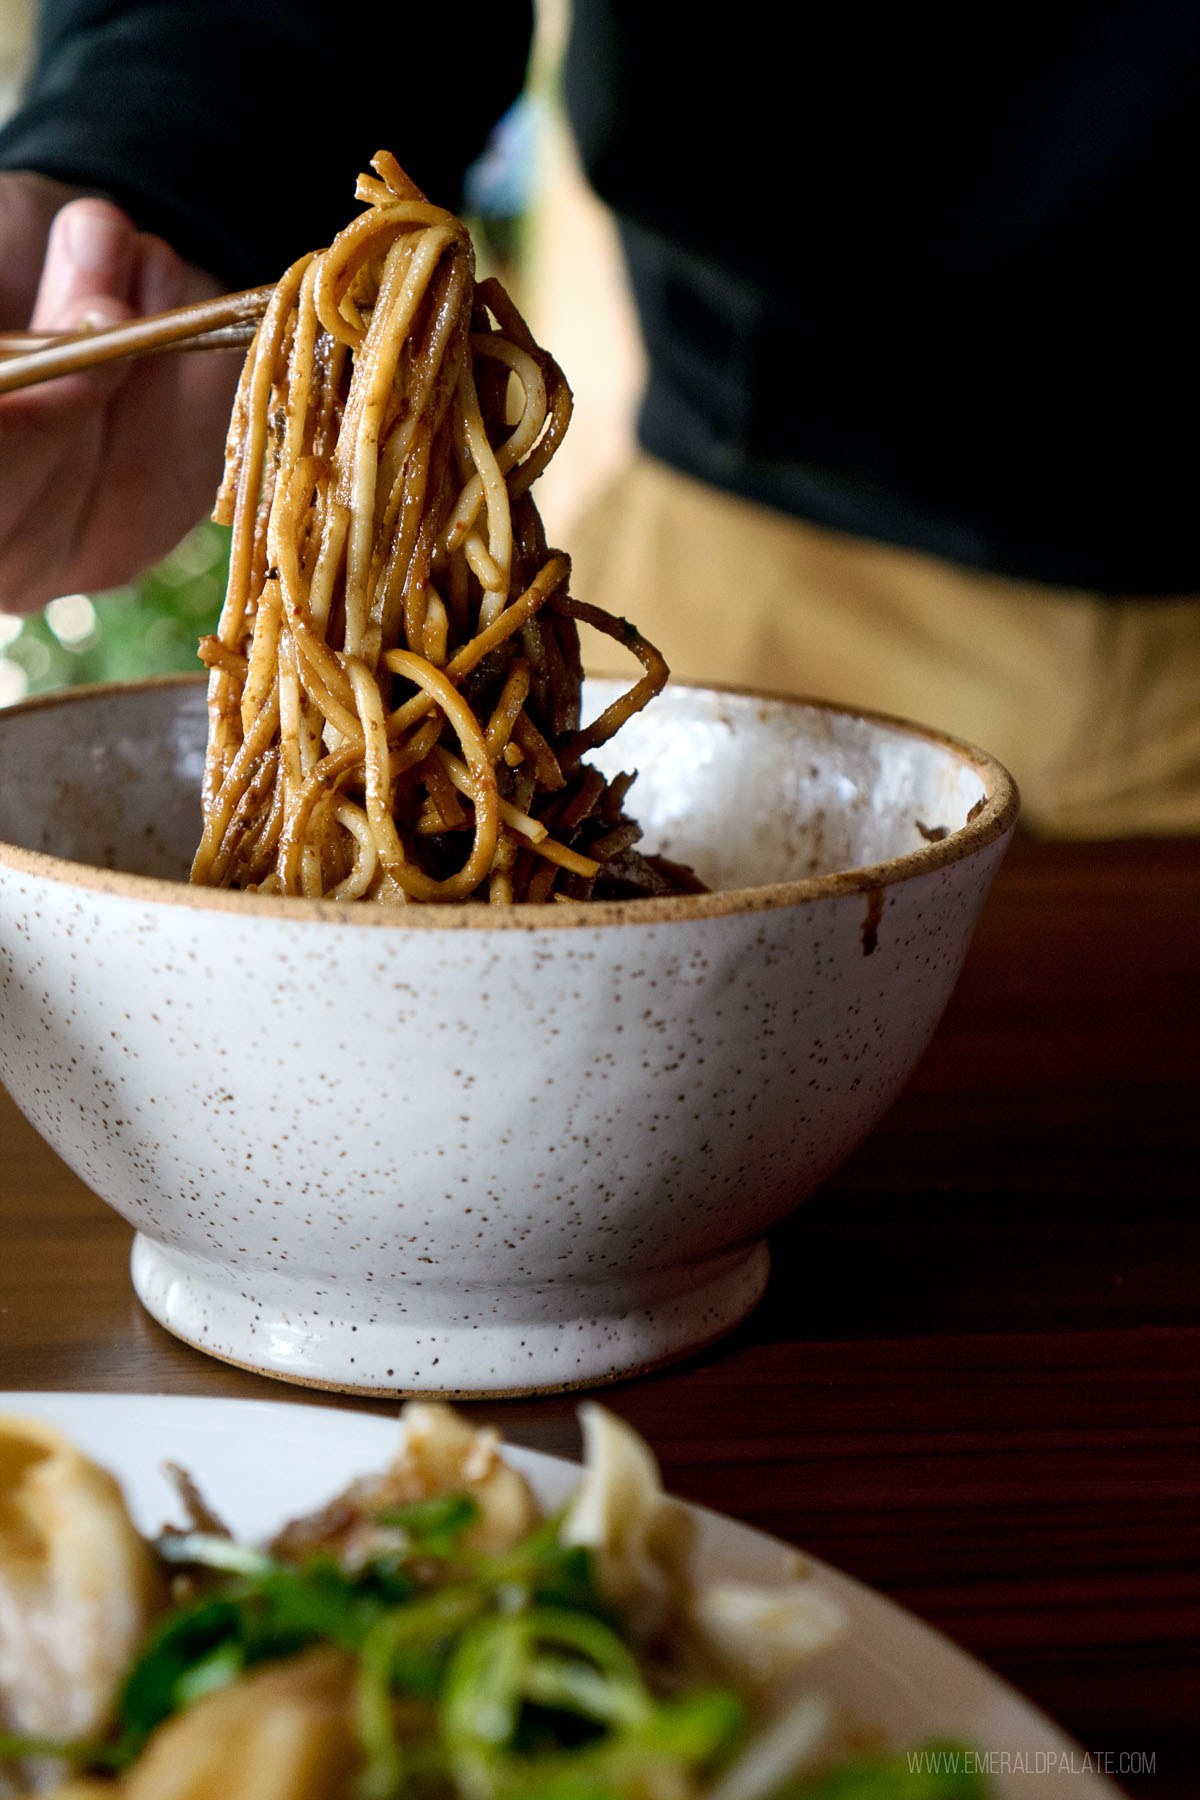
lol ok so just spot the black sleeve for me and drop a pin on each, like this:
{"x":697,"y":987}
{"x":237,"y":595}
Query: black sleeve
{"x":236,"y":128}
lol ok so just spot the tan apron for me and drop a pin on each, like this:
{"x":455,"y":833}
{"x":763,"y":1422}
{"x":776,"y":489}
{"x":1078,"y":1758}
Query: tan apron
{"x":1092,"y":703}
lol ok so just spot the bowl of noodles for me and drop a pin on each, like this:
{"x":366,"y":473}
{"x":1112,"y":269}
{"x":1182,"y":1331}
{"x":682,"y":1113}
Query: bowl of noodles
{"x":423,"y":1047}
{"x":470,"y":1147}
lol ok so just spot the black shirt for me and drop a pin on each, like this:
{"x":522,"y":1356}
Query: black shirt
{"x":921,"y":274}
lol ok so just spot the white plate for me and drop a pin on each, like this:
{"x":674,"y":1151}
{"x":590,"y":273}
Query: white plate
{"x":259,"y":1462}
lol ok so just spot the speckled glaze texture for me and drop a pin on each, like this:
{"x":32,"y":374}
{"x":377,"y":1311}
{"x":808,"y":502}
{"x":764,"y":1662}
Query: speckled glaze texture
{"x":445,"y":1150}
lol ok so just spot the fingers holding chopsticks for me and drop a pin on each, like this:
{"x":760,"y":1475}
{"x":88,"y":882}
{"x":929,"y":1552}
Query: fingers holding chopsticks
{"x":100,"y":270}
{"x":103,"y":471}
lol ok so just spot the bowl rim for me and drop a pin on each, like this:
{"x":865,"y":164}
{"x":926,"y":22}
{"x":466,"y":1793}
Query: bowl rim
{"x":995,"y":818}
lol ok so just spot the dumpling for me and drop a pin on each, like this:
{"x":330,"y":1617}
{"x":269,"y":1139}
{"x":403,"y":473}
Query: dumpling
{"x":439,"y":1453}
{"x":283,"y":1732}
{"x":763,"y":1634}
{"x":78,"y":1585}
{"x":640,"y":1540}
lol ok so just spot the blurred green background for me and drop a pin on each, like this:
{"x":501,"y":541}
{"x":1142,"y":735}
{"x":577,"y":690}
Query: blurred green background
{"x":150,"y":628}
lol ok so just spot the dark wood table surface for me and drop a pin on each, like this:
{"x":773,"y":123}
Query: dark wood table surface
{"x":973,"y":1381}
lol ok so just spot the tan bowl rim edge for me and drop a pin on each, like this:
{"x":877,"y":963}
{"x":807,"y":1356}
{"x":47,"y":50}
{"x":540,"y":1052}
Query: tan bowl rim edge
{"x":995,"y":819}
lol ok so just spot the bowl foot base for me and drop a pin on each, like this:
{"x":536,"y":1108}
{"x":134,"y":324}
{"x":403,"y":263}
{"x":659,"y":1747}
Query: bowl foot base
{"x":298,"y":1333}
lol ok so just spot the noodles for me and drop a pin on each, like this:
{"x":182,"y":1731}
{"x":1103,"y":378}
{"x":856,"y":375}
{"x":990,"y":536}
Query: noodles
{"x":394,"y":686}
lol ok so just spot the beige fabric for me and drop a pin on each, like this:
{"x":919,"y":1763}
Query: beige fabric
{"x":1093,"y":704}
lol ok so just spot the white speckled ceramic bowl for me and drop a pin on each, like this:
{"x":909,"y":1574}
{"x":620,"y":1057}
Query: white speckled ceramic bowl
{"x":460,"y":1148}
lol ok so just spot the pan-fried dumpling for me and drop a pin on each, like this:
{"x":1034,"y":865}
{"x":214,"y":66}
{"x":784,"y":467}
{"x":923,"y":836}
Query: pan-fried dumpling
{"x":764,"y":1634}
{"x":439,"y":1454}
{"x":78,"y":1585}
{"x":640,"y":1540}
{"x":282,"y":1732}
{"x":641,"y":1543}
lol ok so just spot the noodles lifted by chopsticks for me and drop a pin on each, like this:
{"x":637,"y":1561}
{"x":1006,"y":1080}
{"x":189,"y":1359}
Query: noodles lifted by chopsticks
{"x":394,"y":692}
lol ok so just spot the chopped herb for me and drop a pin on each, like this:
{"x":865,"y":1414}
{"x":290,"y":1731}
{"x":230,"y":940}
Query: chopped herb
{"x":436,"y":1526}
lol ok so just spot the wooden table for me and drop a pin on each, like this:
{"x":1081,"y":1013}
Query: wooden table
{"x":973,"y":1382}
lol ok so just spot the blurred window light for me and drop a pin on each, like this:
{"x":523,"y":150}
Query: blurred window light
{"x":72,"y":619}
{"x":33,"y":656}
{"x":14,"y":682}
{"x":195,"y":555}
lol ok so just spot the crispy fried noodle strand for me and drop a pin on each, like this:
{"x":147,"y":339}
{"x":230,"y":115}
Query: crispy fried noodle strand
{"x":394,"y":685}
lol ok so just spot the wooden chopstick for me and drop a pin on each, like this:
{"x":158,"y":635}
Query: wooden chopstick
{"x":22,"y":344}
{"x":230,"y":319}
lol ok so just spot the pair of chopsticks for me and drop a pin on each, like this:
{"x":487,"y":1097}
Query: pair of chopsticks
{"x":27,"y":357}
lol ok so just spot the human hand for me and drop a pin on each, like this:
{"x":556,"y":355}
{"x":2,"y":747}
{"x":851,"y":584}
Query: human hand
{"x":103,"y":473}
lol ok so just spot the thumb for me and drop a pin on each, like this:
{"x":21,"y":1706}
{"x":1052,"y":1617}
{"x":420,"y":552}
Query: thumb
{"x":91,"y":260}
